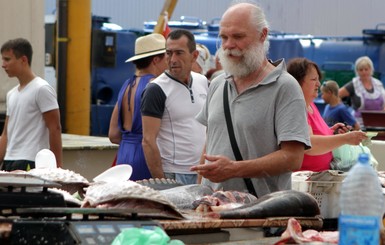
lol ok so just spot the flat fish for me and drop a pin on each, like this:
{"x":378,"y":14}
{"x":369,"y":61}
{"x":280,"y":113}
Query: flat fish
{"x":277,"y":204}
{"x":70,"y":181}
{"x":184,"y":196}
{"x":129,"y":195}
{"x":58,"y":175}
{"x":223,"y":200}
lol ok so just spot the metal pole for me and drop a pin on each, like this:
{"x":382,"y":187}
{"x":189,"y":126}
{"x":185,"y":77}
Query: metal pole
{"x":61,"y":60}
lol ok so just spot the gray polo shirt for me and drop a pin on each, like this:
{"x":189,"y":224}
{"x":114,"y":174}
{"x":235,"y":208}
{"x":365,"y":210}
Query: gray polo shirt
{"x":263,"y":116}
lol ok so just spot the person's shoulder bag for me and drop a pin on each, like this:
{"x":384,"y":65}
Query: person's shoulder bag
{"x":233,"y":141}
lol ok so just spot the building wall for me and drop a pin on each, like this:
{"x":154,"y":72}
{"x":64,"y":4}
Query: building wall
{"x":20,"y":18}
{"x":326,"y":17}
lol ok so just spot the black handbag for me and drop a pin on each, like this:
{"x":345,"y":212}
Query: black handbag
{"x":233,"y":141}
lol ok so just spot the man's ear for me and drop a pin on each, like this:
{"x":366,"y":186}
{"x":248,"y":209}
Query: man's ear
{"x":264,"y":34}
{"x":155,"y":59}
{"x":195,"y":54}
{"x":24,"y":59}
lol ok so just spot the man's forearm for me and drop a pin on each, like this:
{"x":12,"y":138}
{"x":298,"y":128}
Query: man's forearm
{"x":154,"y":164}
{"x":56,"y":147}
{"x":3,"y":147}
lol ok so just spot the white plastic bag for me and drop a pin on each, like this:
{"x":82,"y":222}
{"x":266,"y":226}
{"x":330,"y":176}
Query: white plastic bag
{"x":345,"y":156}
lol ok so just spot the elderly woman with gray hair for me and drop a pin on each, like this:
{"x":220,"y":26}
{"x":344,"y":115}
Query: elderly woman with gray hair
{"x":364,"y":91}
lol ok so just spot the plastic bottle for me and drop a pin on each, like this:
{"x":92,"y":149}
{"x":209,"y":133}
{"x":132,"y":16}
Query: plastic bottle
{"x":362,"y":205}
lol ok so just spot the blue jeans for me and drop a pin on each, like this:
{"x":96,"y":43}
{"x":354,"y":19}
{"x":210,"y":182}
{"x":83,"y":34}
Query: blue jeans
{"x":186,"y":179}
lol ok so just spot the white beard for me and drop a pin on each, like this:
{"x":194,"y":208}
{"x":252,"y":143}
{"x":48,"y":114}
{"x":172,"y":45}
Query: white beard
{"x":252,"y":59}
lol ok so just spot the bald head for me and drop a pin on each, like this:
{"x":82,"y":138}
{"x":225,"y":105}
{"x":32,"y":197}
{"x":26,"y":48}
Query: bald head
{"x":247,"y":13}
{"x":238,"y":10}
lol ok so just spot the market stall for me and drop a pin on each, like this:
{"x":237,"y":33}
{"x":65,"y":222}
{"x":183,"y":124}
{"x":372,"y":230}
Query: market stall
{"x":102,"y":226}
{"x":30,"y":210}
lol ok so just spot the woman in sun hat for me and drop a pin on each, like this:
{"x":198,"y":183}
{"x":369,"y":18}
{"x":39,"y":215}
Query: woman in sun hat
{"x":126,"y":122}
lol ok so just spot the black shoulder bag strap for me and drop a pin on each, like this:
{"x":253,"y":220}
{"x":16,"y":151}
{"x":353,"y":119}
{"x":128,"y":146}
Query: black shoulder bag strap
{"x":233,"y":141}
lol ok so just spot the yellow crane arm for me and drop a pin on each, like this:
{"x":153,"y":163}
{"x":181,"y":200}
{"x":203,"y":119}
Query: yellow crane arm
{"x":169,"y":6}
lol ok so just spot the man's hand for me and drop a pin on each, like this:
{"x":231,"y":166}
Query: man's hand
{"x":216,"y":169}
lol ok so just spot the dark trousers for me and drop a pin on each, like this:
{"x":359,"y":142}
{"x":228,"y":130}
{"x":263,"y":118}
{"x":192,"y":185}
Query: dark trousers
{"x":10,"y":165}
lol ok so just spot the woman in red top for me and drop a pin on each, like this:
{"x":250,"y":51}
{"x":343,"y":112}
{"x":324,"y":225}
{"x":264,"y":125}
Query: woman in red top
{"x":319,"y":156}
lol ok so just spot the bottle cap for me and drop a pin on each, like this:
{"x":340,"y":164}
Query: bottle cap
{"x":363,"y":158}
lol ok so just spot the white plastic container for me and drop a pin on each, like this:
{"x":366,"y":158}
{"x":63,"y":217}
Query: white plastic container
{"x":117,"y":173}
{"x":45,"y":159}
{"x":325,"y":190}
{"x":327,"y":194}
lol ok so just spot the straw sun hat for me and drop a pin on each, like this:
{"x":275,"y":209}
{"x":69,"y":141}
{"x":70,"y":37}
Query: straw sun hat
{"x":148,"y":45}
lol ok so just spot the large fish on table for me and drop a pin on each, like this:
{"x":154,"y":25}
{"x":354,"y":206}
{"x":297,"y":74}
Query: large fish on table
{"x":184,"y":196}
{"x":276,"y":204}
{"x":129,"y":195}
